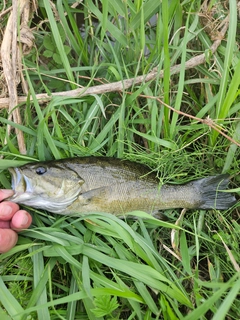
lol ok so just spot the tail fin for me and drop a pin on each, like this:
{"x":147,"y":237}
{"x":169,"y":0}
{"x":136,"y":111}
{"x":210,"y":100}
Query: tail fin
{"x":211,"y":190}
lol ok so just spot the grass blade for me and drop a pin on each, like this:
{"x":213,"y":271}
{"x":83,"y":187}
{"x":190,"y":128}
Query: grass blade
{"x":9,"y":302}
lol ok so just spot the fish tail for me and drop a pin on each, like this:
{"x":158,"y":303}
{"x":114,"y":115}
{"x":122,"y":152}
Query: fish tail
{"x":211,"y":189}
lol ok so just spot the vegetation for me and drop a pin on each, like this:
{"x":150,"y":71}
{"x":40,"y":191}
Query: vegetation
{"x":183,"y":123}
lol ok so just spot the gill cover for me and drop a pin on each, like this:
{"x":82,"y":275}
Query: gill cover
{"x":46,"y":185}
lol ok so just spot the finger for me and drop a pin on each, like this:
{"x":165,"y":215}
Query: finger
{"x":4,"y":224}
{"x":5,"y":193}
{"x":8,"y":239}
{"x":21,"y":220}
{"x":7,"y":210}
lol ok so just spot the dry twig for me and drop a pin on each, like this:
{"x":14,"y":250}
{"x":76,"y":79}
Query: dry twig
{"x":11,"y":60}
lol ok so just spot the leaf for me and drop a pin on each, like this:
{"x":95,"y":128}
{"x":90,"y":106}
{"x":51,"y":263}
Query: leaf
{"x":67,"y":49}
{"x":48,"y":53}
{"x":57,"y":58}
{"x":48,"y":43}
{"x":61,"y":32}
{"x":156,"y":140}
{"x":105,"y":305}
{"x":9,"y":302}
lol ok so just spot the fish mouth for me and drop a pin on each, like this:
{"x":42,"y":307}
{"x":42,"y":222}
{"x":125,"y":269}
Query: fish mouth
{"x":21,"y":185}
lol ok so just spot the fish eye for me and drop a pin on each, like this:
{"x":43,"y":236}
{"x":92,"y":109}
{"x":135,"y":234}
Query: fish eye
{"x":40,"y":170}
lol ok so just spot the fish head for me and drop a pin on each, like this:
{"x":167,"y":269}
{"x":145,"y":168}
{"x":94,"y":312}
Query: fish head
{"x":46,"y":185}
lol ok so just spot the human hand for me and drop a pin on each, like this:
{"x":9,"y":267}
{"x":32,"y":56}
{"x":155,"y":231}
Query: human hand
{"x":12,"y":220}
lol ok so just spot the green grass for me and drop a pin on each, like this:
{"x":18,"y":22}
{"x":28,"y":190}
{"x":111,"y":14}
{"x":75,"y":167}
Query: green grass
{"x":104,"y":267}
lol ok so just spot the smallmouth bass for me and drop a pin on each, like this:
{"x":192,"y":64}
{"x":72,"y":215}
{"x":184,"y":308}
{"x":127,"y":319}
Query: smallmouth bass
{"x":98,"y":184}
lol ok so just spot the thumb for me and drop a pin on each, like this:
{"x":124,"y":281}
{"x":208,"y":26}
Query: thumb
{"x":5,"y":193}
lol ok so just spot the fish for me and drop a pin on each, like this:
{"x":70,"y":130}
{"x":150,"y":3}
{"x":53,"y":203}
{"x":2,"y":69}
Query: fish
{"x":83,"y":185}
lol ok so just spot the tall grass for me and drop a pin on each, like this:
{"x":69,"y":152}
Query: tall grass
{"x":104,"y":267}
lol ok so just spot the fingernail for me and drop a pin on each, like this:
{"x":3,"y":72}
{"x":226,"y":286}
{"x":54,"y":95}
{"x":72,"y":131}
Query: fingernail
{"x":6,"y":193}
{"x":24,"y":219}
{"x":6,"y":210}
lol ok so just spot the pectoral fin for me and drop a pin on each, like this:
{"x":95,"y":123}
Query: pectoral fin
{"x":94,"y":197}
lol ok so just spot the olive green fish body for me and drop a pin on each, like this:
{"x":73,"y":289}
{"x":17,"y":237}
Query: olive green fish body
{"x":98,"y":184}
